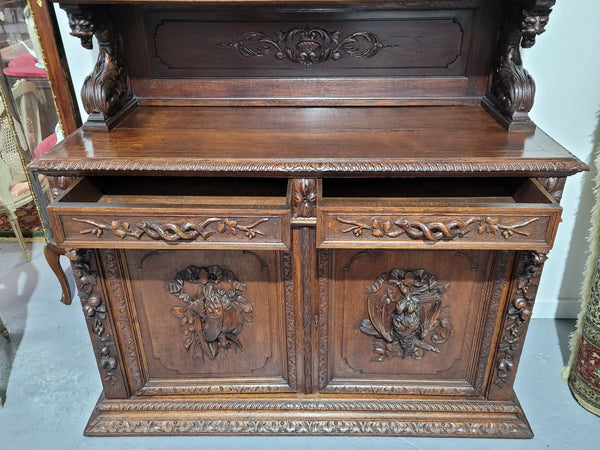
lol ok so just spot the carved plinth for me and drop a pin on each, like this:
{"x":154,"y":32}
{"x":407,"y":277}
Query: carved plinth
{"x":342,"y":417}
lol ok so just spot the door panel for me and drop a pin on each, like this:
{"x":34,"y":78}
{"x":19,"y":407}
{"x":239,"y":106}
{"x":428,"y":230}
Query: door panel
{"x":210,"y":321}
{"x":408,"y":321}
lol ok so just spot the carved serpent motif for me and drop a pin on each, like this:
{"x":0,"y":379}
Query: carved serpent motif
{"x":172,"y":232}
{"x":433,"y":231}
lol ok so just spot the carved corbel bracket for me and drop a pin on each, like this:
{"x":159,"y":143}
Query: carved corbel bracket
{"x":106,"y":93}
{"x":512,"y":91}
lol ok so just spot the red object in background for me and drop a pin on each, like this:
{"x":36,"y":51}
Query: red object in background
{"x":45,"y":145}
{"x":24,"y":66}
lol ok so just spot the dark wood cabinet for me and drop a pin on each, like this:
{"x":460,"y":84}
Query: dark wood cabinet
{"x":314,"y":217}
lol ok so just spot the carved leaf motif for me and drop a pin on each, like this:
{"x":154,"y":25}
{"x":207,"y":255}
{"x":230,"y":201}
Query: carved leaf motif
{"x":307,"y":46}
{"x":405,"y":314}
{"x":95,"y":311}
{"x":518,"y":315}
{"x":304,"y":197}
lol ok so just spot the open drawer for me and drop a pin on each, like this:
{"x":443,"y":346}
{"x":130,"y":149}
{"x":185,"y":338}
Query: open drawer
{"x":154,"y":212}
{"x":507,"y":213}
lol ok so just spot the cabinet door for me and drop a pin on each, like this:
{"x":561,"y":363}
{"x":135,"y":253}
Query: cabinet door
{"x":207,"y":322}
{"x":409,"y":322}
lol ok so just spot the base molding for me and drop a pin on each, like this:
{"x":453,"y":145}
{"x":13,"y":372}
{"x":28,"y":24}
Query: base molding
{"x":281,"y":416}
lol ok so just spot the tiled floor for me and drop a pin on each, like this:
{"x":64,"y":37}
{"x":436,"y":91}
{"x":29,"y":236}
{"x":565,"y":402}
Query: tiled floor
{"x":49,"y":378}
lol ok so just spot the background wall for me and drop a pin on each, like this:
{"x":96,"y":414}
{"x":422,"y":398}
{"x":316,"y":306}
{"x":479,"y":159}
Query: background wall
{"x":565,"y":62}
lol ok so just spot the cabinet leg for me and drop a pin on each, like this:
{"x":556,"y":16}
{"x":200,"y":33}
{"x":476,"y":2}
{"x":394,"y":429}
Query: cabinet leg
{"x":53,"y":254}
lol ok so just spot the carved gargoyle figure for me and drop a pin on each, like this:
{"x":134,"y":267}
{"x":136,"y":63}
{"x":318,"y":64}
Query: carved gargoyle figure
{"x":532,"y":26}
{"x":405,"y":312}
{"x":82,"y":27}
{"x":214,"y":309}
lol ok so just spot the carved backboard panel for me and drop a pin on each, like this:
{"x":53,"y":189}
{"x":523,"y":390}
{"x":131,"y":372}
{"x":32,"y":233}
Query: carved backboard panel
{"x":234,"y":55}
{"x":407,"y":319}
{"x":210,"y":317}
{"x":319,"y":48}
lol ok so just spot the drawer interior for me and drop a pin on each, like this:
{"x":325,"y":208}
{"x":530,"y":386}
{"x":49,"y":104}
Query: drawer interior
{"x":408,"y":192}
{"x":170,"y":191}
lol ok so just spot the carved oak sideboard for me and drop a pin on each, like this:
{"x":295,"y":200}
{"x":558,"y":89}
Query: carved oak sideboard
{"x":312,"y":217}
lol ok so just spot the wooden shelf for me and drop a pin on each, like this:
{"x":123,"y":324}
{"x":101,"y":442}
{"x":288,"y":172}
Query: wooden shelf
{"x":377,"y":141}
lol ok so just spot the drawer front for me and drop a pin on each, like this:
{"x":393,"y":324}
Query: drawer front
{"x":485,"y":228}
{"x":215,"y":228}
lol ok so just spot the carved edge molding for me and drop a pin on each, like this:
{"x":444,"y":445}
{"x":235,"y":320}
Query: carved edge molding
{"x":123,"y":317}
{"x":532,"y":167}
{"x":291,"y":404}
{"x":484,"y":427}
{"x":518,"y":314}
{"x":396,"y":389}
{"x":513,"y":89}
{"x":290,"y":319}
{"x":323,"y":318}
{"x":217,"y":389}
{"x":499,"y":274}
{"x":107,"y":89}
{"x":172,"y":231}
{"x":307,"y":46}
{"x":98,"y":320}
{"x":304,"y":197}
{"x":497,"y":418}
{"x":434,"y":231}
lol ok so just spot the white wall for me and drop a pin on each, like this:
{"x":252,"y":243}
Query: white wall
{"x":565,"y":62}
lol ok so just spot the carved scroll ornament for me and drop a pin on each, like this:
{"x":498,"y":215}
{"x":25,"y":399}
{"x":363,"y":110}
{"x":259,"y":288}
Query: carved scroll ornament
{"x":307,"y":46}
{"x":213,"y":312}
{"x":406,"y":316}
{"x":106,"y":90}
{"x":513,"y":89}
{"x":434,"y":231}
{"x":171,"y":231}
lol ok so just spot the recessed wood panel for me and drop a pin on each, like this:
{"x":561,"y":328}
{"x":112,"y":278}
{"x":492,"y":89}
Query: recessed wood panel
{"x":319,"y":48}
{"x":210,"y":318}
{"x":403,"y":321}
{"x":392,"y":53}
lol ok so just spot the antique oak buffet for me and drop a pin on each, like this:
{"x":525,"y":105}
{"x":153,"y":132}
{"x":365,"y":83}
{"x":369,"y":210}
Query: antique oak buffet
{"x":311,"y":217}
